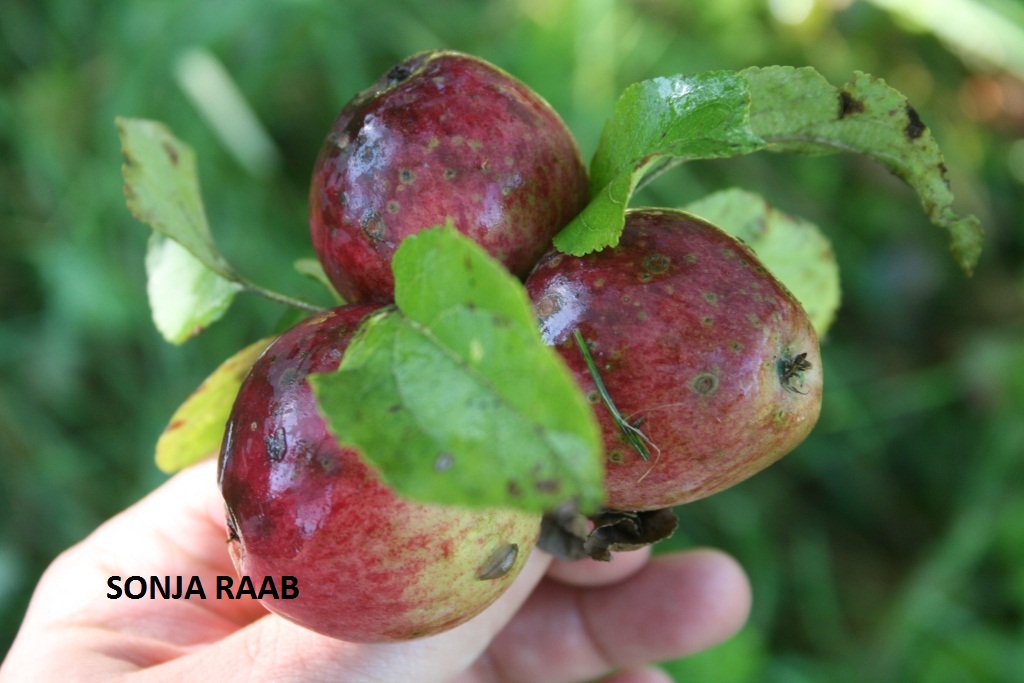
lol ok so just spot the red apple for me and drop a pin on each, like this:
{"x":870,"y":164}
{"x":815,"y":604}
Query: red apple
{"x":442,"y":136}
{"x":370,"y":566}
{"x":699,"y":347}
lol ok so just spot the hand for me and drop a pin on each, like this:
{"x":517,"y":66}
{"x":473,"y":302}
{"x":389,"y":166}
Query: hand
{"x":559,"y":622}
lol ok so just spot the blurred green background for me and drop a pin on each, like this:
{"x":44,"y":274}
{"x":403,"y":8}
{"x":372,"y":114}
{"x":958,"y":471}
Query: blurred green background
{"x":889,"y":547}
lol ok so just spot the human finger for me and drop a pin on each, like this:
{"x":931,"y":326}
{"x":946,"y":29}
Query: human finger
{"x":674,"y":606}
{"x":589,"y":572}
{"x":644,"y":675}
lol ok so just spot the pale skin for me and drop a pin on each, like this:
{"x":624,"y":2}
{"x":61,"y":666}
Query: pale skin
{"x":559,"y":622}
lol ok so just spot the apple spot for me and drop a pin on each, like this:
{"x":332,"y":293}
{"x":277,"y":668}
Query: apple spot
{"x":275,"y":444}
{"x":399,"y":73}
{"x":373,"y":226}
{"x":704,"y":383}
{"x":656,"y":264}
{"x":548,"y":306}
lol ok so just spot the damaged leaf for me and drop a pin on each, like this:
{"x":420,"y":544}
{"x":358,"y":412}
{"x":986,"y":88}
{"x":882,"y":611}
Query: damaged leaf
{"x":797,"y":110}
{"x":664,"y":121}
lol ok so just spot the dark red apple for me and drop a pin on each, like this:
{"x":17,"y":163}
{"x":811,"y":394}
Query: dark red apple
{"x":700,"y":348}
{"x":371,"y":567}
{"x":442,"y":136}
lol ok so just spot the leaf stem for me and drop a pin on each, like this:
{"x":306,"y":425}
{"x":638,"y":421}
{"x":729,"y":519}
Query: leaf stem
{"x":278,"y":297}
{"x":634,"y":436}
{"x":655,"y":170}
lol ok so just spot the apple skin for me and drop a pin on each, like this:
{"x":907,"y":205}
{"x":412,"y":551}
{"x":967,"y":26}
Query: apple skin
{"x":371,"y":567}
{"x":696,"y":343}
{"x":442,"y":136}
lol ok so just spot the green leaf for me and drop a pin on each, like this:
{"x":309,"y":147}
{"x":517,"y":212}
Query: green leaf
{"x":161,"y":186}
{"x":797,"y":110}
{"x":663,"y":121}
{"x":184,"y":295}
{"x":454,"y":398}
{"x":197,"y":426}
{"x":655,"y":123}
{"x":311,"y":268}
{"x":793,"y":249}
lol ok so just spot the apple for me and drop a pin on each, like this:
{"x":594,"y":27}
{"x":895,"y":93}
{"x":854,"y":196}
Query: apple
{"x":370,"y":566}
{"x":699,"y":347}
{"x":442,"y":136}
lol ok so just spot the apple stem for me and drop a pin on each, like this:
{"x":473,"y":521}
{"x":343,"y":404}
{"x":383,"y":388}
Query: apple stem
{"x":634,"y":436}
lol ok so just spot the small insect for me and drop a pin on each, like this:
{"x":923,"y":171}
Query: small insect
{"x":789,"y":369}
{"x":499,"y":563}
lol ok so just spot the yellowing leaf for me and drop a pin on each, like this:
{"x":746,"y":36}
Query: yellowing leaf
{"x":197,"y":426}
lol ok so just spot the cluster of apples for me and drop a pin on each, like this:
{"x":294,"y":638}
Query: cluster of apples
{"x":709,"y":358}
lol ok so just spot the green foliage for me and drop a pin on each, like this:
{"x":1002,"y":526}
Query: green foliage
{"x":161,"y":186}
{"x":656,"y":122}
{"x":887,"y":548}
{"x":742,"y":659}
{"x":191,"y":285}
{"x":311,"y":268}
{"x":184,"y":295}
{"x":665,"y":121}
{"x":455,"y":398}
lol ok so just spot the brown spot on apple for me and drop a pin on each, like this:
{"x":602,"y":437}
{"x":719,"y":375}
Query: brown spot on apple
{"x":657,"y":263}
{"x":704,"y":384}
{"x":373,"y":226}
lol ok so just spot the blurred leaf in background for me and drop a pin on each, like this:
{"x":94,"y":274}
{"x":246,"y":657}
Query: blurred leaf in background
{"x":889,"y":547}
